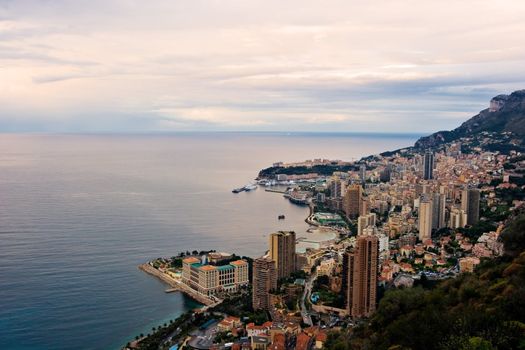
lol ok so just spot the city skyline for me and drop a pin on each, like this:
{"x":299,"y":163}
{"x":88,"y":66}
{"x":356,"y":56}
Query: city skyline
{"x":124,"y":66}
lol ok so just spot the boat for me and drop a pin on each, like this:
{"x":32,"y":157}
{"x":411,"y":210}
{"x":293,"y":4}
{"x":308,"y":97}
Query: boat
{"x":281,"y":217}
{"x":271,"y":183}
{"x":250,"y":187}
{"x":237,"y":190}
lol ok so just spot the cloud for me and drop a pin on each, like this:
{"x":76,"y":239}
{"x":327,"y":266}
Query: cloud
{"x":257,"y":65}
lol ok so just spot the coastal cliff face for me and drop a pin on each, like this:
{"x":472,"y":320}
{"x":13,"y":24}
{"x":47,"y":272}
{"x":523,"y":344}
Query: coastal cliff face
{"x":505,"y":114}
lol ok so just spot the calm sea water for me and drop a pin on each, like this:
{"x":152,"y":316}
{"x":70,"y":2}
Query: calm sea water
{"x":78,"y":213}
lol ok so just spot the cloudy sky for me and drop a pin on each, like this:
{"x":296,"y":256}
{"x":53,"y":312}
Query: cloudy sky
{"x":129,"y":66}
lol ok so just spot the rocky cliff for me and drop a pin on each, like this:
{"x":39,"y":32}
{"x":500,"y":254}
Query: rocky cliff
{"x":506,"y":113}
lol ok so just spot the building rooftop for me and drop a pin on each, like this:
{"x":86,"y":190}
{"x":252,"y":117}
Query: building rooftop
{"x":239,"y":263}
{"x":303,"y":341}
{"x":191,"y":260}
{"x":260,"y":339}
{"x":207,"y":268}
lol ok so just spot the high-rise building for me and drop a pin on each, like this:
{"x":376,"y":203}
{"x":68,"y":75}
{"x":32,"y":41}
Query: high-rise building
{"x":282,"y":252}
{"x":470,"y":205}
{"x":344,"y":277}
{"x":438,"y":211}
{"x":335,"y":187}
{"x":428,"y":165}
{"x":425,"y":218}
{"x":360,"y":277}
{"x":364,"y":221}
{"x":362,"y":173}
{"x":353,"y":201}
{"x":264,"y":281}
{"x":458,"y":218}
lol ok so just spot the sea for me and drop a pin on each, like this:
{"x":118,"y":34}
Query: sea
{"x":79,"y":213}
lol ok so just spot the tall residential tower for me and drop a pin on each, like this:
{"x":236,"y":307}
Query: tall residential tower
{"x":428,"y":165}
{"x":353,"y":201}
{"x":360,"y":277}
{"x":264,"y":281}
{"x":282,"y":252}
{"x":425,"y":218}
{"x":470,"y":205}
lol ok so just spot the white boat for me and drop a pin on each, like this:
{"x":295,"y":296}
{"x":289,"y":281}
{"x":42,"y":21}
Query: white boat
{"x":250,"y":187}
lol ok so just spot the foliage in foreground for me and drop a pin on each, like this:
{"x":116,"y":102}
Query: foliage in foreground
{"x":484,"y":310}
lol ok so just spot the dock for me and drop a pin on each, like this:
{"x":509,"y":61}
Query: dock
{"x":275,"y":191}
{"x":178,"y":286}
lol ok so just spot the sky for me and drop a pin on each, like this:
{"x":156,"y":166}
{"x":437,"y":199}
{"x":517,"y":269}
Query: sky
{"x":346,"y":66}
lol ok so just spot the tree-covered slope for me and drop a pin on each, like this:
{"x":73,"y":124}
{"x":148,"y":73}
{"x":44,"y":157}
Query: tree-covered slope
{"x":481,"y":310}
{"x":509,"y":118}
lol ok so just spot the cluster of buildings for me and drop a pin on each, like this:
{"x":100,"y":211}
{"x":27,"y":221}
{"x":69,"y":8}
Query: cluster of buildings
{"x":359,"y":272}
{"x":410,"y":211}
{"x":400,"y":216}
{"x":279,"y":263}
{"x":211,"y":278}
{"x":311,"y":163}
{"x":272,"y":335}
{"x":417,"y":205}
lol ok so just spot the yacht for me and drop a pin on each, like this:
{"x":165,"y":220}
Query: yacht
{"x":250,"y":187}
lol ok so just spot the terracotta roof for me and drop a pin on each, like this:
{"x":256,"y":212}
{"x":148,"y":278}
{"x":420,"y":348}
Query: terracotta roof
{"x":321,"y":336}
{"x":311,"y":330}
{"x":254,"y":326}
{"x":207,"y":268}
{"x":279,"y":342}
{"x":191,"y":260}
{"x":303,"y":341}
{"x":239,"y":262}
{"x":233,"y":318}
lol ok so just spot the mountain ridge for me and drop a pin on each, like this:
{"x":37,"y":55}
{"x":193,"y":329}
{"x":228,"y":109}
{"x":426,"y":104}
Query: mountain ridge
{"x":506,"y":113}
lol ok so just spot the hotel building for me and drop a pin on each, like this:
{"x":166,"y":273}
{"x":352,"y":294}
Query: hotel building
{"x":210,"y":279}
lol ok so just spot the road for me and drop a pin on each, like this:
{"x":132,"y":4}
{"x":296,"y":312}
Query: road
{"x":203,"y":339}
{"x":306,"y":296}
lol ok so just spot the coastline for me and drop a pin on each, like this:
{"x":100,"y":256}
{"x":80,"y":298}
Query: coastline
{"x":178,"y":286}
{"x":155,"y":304}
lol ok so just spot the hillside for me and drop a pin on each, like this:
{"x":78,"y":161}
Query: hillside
{"x":484,"y":310}
{"x":505,"y":114}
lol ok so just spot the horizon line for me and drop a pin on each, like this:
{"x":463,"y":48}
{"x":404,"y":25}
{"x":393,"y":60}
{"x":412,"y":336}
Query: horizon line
{"x":153,"y":132}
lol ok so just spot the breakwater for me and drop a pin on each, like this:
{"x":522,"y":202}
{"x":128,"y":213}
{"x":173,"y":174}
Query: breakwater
{"x":176,"y":285}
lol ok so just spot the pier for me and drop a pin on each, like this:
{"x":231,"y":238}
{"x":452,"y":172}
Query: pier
{"x":275,"y":191}
{"x":178,"y":286}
